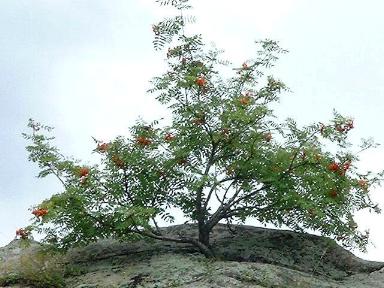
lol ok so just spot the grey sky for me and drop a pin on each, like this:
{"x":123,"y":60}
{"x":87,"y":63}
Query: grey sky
{"x":84,"y":66}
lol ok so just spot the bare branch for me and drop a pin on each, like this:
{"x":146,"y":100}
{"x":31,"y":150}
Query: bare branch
{"x":51,"y":167}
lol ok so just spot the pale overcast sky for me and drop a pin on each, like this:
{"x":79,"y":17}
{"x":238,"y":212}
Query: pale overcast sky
{"x":84,"y":66}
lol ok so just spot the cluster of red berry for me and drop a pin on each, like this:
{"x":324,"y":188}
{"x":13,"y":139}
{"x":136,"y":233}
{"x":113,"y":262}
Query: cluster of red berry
{"x":333,"y":193}
{"x":341,"y":169}
{"x":83,"y":172}
{"x":244,"y":100}
{"x":118,"y":161}
{"x":198,"y":121}
{"x":102,"y":148}
{"x":169,"y":137}
{"x":342,"y":128}
{"x":244,"y":67}
{"x":201,"y":81}
{"x":22,"y":233}
{"x":363,"y":184}
{"x":345,"y":127}
{"x":40,"y":212}
{"x":143,"y":141}
{"x":267,"y":136}
{"x":225,"y":131}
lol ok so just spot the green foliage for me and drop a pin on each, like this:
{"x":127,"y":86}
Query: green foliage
{"x":224,"y":157}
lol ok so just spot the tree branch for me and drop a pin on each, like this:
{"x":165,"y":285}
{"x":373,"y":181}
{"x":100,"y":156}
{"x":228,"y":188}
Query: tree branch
{"x":51,"y":167}
{"x":199,"y":209}
{"x":214,"y":187}
{"x":126,"y":187}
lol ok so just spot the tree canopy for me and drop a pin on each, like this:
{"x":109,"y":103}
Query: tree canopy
{"x":224,"y":157}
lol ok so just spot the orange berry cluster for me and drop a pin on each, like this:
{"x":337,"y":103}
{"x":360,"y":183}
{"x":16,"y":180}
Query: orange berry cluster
{"x":225,"y":131}
{"x":143,"y":141}
{"x":363,"y":184}
{"x":348,"y":125}
{"x":244,"y":100}
{"x":201,"y":81}
{"x":333,"y":193}
{"x":342,"y":128}
{"x":22,"y":233}
{"x":40,"y":212}
{"x":102,"y":148}
{"x":83,"y":172}
{"x":198,"y":121}
{"x":335,"y":167}
{"x":169,"y":137}
{"x":118,"y":161}
{"x":267,"y":136}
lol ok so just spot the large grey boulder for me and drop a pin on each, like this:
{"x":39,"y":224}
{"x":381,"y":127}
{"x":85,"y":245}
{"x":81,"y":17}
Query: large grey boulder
{"x":248,"y":257}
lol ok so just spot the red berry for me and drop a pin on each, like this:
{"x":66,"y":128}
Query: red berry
{"x":84,"y":172}
{"x":118,"y":162}
{"x":333,"y":194}
{"x":346,"y":165}
{"x":349,"y":124}
{"x":102,"y":148}
{"x":267,"y":136}
{"x":40,"y":212}
{"x":198,"y":121}
{"x":169,"y":137}
{"x":22,"y":233}
{"x":200,"y":81}
{"x":143,"y":141}
{"x":244,"y":100}
{"x":333,"y":166}
{"x":225,"y":131}
{"x":363,"y":184}
{"x":339,"y":128}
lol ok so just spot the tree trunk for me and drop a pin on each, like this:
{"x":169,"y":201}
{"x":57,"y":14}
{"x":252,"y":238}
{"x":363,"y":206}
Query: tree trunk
{"x":203,"y":243}
{"x":204,"y":236}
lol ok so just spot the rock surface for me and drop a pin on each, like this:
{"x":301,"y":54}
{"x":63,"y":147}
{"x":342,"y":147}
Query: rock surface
{"x":249,"y":257}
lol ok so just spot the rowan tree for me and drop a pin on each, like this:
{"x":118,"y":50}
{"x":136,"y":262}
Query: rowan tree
{"x":225,"y":157}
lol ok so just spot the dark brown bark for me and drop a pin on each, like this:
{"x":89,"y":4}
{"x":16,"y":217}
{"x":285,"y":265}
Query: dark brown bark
{"x":202,"y":245}
{"x":204,"y":235}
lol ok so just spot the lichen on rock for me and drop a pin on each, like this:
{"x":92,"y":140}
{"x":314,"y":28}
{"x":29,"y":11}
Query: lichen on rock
{"x":246,"y":257}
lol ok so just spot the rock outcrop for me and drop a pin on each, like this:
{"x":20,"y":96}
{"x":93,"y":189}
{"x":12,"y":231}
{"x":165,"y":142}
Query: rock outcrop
{"x":248,"y":257}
